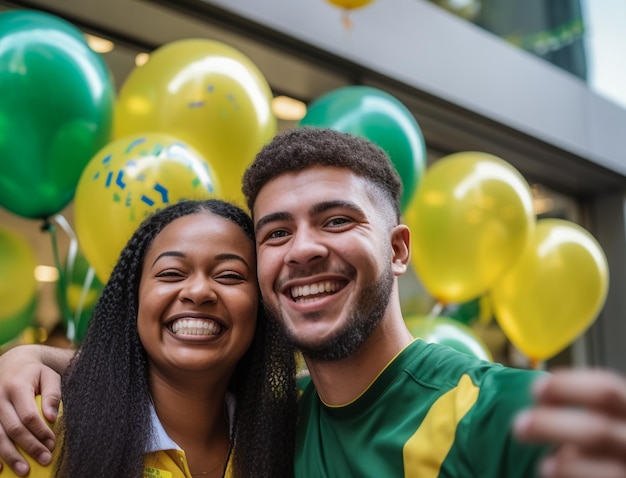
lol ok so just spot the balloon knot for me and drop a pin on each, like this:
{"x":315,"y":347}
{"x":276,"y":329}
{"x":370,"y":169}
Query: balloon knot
{"x":46,"y":225}
{"x":346,"y":20}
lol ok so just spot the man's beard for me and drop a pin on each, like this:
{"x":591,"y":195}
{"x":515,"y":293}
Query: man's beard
{"x":367,"y":313}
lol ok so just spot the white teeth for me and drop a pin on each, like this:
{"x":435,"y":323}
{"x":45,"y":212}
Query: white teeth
{"x":314,"y":289}
{"x":195,"y":327}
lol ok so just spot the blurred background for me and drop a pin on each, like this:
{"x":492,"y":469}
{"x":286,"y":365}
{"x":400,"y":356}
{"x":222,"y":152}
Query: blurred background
{"x":538,"y":83}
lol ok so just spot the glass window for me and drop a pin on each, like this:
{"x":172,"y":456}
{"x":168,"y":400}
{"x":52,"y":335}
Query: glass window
{"x":583,"y":37}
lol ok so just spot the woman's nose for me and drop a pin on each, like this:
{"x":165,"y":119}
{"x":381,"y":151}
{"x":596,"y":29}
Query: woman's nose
{"x":199,"y":289}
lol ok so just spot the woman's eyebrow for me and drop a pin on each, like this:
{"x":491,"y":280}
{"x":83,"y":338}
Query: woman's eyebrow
{"x":168,"y":253}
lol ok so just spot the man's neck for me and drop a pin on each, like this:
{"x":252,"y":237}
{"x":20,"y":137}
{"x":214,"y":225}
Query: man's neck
{"x":341,"y":381}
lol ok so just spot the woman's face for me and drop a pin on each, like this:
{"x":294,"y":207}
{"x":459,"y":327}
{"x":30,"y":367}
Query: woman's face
{"x":198,"y":297}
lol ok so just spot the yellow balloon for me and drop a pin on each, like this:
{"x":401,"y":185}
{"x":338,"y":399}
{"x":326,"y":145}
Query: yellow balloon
{"x":350,"y":4}
{"x":554,"y":291}
{"x":17,"y":268}
{"x":124,"y":182}
{"x":470,"y":219}
{"x":207,"y":94}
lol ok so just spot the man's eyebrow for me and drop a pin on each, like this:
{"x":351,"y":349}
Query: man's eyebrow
{"x":338,"y":203}
{"x":275,"y":216}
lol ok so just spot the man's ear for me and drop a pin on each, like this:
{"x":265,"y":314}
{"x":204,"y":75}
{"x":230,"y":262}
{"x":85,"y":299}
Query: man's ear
{"x":401,"y":244}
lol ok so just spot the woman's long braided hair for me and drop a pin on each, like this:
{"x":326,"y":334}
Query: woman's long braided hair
{"x":106,"y":422}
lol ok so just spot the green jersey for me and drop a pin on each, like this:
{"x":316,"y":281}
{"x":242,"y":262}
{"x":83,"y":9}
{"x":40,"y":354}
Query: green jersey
{"x":432,"y":412}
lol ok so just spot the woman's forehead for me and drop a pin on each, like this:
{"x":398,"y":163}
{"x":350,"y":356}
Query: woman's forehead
{"x":204,"y":228}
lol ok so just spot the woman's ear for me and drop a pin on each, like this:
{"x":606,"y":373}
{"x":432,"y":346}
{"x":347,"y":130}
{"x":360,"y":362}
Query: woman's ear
{"x":401,"y":245}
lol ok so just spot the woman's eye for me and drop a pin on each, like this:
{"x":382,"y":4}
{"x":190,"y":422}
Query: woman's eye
{"x":169,"y":273}
{"x":231,"y":277}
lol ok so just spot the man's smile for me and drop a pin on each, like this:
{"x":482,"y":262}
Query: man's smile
{"x":308,"y":292}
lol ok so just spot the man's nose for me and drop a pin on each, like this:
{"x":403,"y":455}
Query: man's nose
{"x":305,"y":246}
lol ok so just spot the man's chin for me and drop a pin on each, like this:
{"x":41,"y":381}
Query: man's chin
{"x":335,"y":348}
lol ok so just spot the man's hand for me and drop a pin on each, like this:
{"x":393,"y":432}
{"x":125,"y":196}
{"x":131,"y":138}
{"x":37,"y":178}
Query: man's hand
{"x":24,"y":373}
{"x":583,"y":413}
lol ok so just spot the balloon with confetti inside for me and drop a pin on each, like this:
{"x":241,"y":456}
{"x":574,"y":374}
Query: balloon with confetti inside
{"x":127,"y":180}
{"x":209,"y":95}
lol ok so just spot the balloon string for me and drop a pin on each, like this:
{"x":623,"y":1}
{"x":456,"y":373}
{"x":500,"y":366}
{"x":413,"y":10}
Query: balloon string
{"x":73,"y":247}
{"x":435,"y":311}
{"x":346,"y":20}
{"x":89,"y":277}
{"x":535,"y":364}
{"x":63,"y":305}
{"x":64,"y":273}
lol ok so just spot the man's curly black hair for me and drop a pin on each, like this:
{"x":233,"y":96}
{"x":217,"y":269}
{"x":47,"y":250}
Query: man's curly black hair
{"x":106,"y":425}
{"x":300,"y":148}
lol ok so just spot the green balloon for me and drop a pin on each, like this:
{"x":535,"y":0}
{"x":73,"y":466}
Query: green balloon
{"x":466,"y":313}
{"x":378,"y":116}
{"x":56,"y":111}
{"x":11,"y":326}
{"x":446,"y":331}
{"x":81,"y":295}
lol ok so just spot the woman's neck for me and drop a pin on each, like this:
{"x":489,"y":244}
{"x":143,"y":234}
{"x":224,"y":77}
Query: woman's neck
{"x":196,"y":418}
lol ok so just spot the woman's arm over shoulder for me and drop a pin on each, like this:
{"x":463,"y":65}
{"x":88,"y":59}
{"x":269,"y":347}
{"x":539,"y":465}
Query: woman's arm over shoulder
{"x":36,"y":470}
{"x":27,"y":371}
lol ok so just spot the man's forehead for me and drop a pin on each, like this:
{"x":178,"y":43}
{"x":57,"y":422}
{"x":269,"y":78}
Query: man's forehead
{"x":289,"y":199}
{"x":316,"y":180}
{"x":312,"y":176}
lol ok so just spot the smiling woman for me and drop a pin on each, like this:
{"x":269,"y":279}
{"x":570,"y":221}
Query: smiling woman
{"x":198,"y":299}
{"x":173,"y":369}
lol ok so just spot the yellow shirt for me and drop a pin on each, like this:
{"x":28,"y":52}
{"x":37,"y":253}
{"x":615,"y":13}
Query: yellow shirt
{"x":165,"y":459}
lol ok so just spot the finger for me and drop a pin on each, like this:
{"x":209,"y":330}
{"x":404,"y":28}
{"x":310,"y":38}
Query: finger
{"x":592,"y":388}
{"x":11,"y":456}
{"x":50,"y":385}
{"x":28,"y":429}
{"x":588,"y":430}
{"x":576,"y":465}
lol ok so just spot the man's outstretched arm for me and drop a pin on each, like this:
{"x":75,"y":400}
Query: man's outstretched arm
{"x":27,"y":371}
{"x":583,"y":413}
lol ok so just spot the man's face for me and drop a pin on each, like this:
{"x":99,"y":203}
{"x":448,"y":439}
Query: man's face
{"x":324,"y":258}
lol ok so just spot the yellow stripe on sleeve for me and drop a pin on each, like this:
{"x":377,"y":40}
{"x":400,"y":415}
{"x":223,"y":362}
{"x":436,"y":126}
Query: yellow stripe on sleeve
{"x":425,"y":451}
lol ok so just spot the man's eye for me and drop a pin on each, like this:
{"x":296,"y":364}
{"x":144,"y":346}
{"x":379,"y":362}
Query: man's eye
{"x":338,"y":221}
{"x":277,"y":234}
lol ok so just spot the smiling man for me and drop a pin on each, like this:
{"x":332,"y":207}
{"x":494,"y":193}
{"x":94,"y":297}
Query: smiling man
{"x":330,"y":249}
